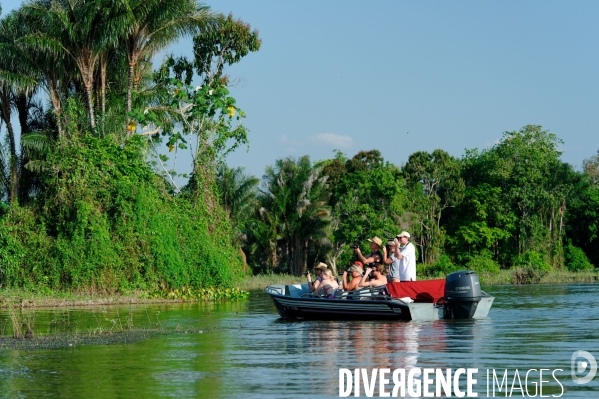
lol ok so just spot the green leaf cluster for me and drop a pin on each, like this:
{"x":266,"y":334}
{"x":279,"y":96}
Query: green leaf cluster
{"x":104,"y":221}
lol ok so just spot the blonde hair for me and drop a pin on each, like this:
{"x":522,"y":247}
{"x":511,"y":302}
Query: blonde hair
{"x":328,"y":272}
{"x":356,"y":268}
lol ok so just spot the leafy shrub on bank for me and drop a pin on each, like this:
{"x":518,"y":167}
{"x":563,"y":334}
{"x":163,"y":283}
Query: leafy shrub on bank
{"x":439,"y":269}
{"x":576,"y":259}
{"x":104,"y":221}
{"x":532,"y":260}
{"x":482,"y":263}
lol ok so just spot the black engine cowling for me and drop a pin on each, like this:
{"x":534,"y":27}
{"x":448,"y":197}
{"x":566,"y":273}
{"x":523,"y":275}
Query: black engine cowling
{"x":462,"y":294}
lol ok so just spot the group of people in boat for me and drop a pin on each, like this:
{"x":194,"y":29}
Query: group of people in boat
{"x":395,"y":262}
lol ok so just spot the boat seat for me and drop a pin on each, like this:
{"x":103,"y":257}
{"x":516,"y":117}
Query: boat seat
{"x":359,"y":294}
{"x":336,"y":294}
{"x":311,"y":295}
{"x":369,"y":293}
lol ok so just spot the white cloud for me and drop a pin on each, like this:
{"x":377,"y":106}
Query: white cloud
{"x":334,"y":140}
{"x":330,"y":140}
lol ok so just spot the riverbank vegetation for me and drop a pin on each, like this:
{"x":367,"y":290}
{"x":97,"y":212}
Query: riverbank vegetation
{"x":91,"y":131}
{"x":88,"y":201}
{"x":514,"y":211}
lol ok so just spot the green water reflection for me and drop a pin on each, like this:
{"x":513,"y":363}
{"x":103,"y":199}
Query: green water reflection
{"x":243,"y":349}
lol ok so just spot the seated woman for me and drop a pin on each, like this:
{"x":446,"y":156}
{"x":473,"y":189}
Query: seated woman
{"x":378,"y":278}
{"x":329,"y":284}
{"x":317,"y":284}
{"x":356,"y":274}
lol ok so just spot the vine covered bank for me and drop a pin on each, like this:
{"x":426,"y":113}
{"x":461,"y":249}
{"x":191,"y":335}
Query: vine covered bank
{"x":89,"y":201}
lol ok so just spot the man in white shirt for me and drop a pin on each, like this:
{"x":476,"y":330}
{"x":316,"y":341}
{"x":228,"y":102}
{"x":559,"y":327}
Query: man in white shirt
{"x":406,"y":253}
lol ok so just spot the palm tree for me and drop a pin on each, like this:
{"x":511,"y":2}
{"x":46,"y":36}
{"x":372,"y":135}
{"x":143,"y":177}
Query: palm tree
{"x":80,"y":30}
{"x":47,"y":63}
{"x":237,"y":193}
{"x":17,"y":87}
{"x":294,"y":195}
{"x":153,"y":25}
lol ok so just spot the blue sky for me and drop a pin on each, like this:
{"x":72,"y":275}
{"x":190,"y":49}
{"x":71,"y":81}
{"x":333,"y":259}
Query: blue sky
{"x":405,"y":76}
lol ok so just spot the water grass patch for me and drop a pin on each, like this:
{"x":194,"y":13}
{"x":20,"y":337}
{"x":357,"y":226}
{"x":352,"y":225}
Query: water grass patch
{"x":203,"y":294}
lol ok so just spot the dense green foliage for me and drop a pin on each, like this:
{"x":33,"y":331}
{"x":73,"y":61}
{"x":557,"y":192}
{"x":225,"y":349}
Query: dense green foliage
{"x":104,"y":219}
{"x":291,"y":212}
{"x":515,"y":205}
{"x":89,"y":201}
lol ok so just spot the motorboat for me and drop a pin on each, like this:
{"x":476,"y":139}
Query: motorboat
{"x":458,"y":296}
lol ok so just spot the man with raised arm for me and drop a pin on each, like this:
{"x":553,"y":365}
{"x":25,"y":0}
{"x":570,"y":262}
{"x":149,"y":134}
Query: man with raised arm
{"x":375,"y":257}
{"x":406,"y":253}
{"x":378,"y":278}
{"x":391,"y":261}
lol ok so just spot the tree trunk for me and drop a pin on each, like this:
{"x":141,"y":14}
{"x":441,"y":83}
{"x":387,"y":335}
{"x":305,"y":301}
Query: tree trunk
{"x":14,"y":173}
{"x":274,"y":256}
{"x":90,"y":107}
{"x":332,"y":259}
{"x":305,"y":257}
{"x":86,"y":62}
{"x":562,"y":210}
{"x":55,"y":98}
{"x":297,"y":253}
{"x":244,"y":259}
{"x":129,"y":91}
{"x":25,"y":177}
{"x":103,"y":65}
{"x":21,"y":101}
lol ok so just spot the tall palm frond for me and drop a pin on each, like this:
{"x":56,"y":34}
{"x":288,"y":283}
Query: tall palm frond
{"x":237,"y":192}
{"x":154,"y":24}
{"x":294,"y":196}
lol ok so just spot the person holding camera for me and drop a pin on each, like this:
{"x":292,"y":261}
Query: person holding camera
{"x":406,"y":253}
{"x":391,"y":261}
{"x":356,"y":272}
{"x":375,"y":257}
{"x":378,"y":278}
{"x":316,"y":285}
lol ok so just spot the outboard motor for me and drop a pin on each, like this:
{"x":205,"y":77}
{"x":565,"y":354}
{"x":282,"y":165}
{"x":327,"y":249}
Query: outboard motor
{"x":462,"y":294}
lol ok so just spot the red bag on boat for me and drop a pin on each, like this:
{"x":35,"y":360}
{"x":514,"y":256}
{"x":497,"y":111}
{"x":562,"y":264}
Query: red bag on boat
{"x":419,"y":291}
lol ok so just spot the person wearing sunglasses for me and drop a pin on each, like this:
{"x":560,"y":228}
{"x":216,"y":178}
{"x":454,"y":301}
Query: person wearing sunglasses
{"x":316,"y":285}
{"x":356,"y":272}
{"x":378,"y":277}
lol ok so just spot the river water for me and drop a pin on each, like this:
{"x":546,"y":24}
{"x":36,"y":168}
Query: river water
{"x":244,"y":350}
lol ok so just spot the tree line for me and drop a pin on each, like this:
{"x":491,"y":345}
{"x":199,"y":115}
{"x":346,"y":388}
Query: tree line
{"x":515,"y":204}
{"x":91,"y":130}
{"x":90,"y":135}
